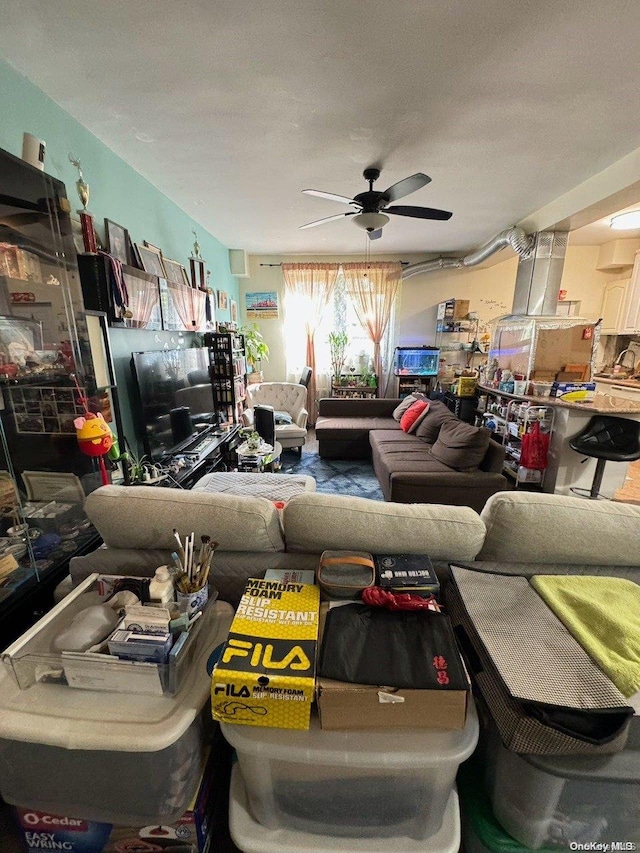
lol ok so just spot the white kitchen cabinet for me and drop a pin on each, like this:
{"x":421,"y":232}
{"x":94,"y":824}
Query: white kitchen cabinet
{"x":613,"y":306}
{"x":620,"y":310}
{"x":631,"y":319}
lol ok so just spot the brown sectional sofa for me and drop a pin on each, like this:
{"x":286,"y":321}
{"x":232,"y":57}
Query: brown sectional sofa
{"x":404,"y":465}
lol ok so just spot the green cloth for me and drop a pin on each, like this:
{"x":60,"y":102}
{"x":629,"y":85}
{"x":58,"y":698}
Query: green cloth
{"x":603,"y":614}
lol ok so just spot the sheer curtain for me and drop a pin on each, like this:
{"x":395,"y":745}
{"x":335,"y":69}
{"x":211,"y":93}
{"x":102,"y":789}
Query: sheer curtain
{"x":143,"y":298}
{"x":308,"y":288}
{"x":374,"y":288}
{"x":191,"y":305}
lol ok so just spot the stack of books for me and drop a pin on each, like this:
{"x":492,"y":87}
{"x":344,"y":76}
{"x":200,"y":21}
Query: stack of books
{"x":412,"y":573}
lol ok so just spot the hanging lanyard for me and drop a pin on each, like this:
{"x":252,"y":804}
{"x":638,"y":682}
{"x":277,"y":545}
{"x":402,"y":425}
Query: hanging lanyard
{"x":118,"y":284}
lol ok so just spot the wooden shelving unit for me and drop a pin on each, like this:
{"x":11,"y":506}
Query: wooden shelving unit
{"x":228,"y":373}
{"x":354,"y":390}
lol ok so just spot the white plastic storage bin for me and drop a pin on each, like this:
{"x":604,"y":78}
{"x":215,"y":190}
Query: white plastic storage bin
{"x":557,"y":801}
{"x":108,"y":757}
{"x":351,"y":783}
{"x":252,"y":837}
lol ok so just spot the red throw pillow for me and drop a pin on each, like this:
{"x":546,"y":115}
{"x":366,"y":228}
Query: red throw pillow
{"x":412,"y":414}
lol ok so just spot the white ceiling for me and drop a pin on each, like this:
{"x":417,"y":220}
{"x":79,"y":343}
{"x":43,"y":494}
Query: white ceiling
{"x":600,"y":231}
{"x":232,"y":107}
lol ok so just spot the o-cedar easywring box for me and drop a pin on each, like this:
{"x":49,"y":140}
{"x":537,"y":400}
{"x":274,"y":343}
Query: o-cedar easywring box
{"x":266,"y":674}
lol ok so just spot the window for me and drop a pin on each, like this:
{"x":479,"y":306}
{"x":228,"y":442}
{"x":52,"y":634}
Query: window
{"x":340,"y":315}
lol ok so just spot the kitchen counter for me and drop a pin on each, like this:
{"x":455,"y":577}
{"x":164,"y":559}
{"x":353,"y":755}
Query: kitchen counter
{"x":567,"y":469}
{"x":613,"y":380}
{"x":602,"y":404}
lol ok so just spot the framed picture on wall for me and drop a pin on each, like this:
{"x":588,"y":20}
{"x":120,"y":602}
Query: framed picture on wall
{"x":223,"y":302}
{"x":118,"y":241}
{"x":151,"y":260}
{"x":176,"y":272}
{"x":233,"y":311}
{"x":197,"y":273}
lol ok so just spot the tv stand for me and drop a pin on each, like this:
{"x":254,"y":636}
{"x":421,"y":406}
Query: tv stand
{"x":211,"y":450}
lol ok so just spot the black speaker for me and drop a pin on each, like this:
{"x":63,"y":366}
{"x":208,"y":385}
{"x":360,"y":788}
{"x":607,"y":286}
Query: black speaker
{"x":265,"y":423}
{"x":181,"y":424}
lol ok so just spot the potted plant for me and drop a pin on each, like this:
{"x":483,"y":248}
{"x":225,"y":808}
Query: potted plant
{"x":137,"y":466}
{"x":338,"y":342}
{"x":256,"y":350}
{"x":254,"y":441}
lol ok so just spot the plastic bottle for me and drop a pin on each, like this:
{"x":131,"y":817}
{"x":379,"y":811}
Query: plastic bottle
{"x":161,"y":585}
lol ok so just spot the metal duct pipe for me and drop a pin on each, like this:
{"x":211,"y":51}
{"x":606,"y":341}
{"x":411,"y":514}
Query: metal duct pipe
{"x":514,"y":237}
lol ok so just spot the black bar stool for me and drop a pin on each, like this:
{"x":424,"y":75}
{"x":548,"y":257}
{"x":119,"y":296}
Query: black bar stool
{"x":607,"y":439}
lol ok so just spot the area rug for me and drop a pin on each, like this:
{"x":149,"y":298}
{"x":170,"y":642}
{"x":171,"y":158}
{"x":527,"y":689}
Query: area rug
{"x":353,"y":477}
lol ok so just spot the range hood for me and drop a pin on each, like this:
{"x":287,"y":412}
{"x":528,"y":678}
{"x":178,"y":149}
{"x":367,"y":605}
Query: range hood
{"x":533,"y":340}
{"x":539,"y":276}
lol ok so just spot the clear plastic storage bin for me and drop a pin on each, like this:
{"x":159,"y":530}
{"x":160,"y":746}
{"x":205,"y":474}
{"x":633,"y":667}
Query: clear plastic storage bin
{"x":252,"y":837}
{"x":557,"y":801}
{"x":351,"y":783}
{"x":30,"y":658}
{"x":481,"y":832}
{"x":109,"y":757}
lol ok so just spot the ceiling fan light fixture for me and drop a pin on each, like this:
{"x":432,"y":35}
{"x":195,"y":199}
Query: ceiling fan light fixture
{"x":626,"y":221}
{"x":370,"y":221}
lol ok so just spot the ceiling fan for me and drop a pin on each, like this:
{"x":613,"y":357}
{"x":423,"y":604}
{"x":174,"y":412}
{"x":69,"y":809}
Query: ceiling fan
{"x":369,"y":205}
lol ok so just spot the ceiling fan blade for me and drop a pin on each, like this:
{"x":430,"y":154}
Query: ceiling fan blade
{"x":406,"y":186}
{"x":331,"y":196}
{"x":326,"y":219}
{"x":419,"y":212}
{"x":375,"y":235}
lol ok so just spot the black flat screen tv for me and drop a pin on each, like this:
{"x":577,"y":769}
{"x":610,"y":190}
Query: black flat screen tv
{"x":166,"y":380}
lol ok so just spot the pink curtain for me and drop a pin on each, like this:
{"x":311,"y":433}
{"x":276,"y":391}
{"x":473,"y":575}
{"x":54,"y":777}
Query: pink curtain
{"x":143,"y":298}
{"x":373,"y":288}
{"x":315,"y":283}
{"x":191,"y":305}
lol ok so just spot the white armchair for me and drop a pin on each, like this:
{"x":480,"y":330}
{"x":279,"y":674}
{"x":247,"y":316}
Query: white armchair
{"x":289,"y":401}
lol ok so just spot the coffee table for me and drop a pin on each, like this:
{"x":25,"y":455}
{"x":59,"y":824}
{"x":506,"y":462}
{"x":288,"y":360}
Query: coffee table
{"x":264,"y":458}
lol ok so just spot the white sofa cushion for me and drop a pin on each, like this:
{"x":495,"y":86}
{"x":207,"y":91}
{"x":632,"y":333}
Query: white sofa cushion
{"x":529,"y":527}
{"x":315,"y":522}
{"x":144,"y":517}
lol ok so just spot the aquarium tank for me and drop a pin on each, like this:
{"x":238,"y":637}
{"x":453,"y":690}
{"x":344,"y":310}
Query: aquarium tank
{"x":416,"y":361}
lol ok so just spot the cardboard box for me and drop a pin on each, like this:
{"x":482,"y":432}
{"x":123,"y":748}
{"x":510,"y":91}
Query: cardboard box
{"x":345,"y":706}
{"x":193,"y":830}
{"x":266,"y":673}
{"x":574,"y":392}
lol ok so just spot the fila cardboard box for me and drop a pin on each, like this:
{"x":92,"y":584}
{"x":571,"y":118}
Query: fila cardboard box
{"x":266,"y":673}
{"x":343,"y":706}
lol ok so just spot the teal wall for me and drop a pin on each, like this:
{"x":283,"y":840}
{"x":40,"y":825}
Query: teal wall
{"x":119,"y":193}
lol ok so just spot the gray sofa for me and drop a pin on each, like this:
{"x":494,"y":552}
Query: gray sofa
{"x":517,"y":532}
{"x":404,"y":465}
